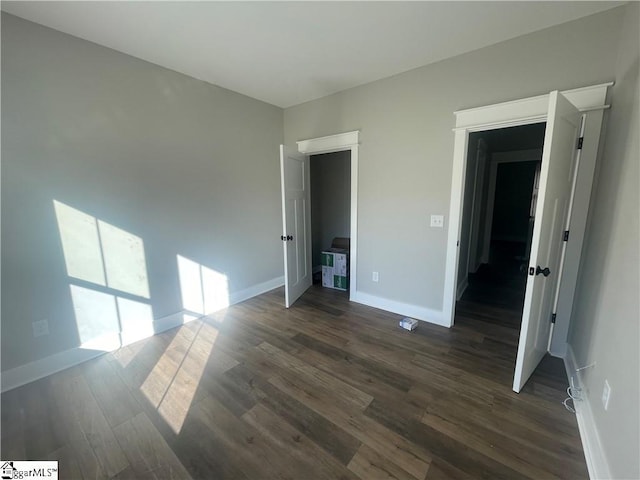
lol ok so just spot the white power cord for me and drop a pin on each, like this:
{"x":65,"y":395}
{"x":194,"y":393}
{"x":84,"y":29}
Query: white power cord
{"x":575,"y":393}
{"x":567,"y":406}
{"x":572,"y":397}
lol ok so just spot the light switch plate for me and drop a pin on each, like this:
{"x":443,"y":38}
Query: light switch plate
{"x":437,"y":221}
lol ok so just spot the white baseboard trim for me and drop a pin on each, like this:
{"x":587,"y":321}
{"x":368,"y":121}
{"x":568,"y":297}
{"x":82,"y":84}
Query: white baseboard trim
{"x":597,"y":463}
{"x":462,"y":286}
{"x":407,"y":309}
{"x":30,"y":372}
{"x":560,"y":351}
{"x":255,"y":290}
{"x":57,"y":362}
{"x":171,"y":321}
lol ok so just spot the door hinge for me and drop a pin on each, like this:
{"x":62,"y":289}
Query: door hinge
{"x":566,"y":236}
{"x":553,"y":318}
{"x":579,"y":145}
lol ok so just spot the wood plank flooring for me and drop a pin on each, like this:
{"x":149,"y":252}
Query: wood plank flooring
{"x":325,"y":390}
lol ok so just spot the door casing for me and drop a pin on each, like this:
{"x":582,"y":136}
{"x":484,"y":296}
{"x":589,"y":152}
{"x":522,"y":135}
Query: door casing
{"x":591,"y":102}
{"x":348,"y":141}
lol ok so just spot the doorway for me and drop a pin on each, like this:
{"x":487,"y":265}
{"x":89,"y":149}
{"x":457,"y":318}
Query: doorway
{"x":330,"y":209}
{"x":296,"y":212}
{"x":500,"y":191}
{"x":568,"y":164}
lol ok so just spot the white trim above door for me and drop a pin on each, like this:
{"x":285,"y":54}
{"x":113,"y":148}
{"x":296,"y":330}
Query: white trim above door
{"x":348,"y":141}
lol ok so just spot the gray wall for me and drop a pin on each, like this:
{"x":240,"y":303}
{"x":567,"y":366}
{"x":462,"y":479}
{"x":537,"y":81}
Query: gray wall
{"x":406,"y":138}
{"x":605,"y":322}
{"x":405,"y":175}
{"x":330,"y":200}
{"x":189,"y":168}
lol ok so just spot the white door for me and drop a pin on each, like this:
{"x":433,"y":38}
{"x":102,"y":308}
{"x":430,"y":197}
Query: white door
{"x":296,"y":223}
{"x":556,"y":179}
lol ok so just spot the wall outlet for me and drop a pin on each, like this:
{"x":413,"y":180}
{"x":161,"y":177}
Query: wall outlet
{"x":606,"y":395}
{"x":40,"y":328}
{"x":437,"y":221}
{"x":375,"y":277}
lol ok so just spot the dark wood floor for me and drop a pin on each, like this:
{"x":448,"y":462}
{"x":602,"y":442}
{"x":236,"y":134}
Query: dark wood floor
{"x":328,"y":389}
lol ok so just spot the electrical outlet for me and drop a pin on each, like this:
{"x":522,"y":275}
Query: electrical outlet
{"x":437,"y":221}
{"x":40,"y":328}
{"x":606,"y":395}
{"x":375,"y":277}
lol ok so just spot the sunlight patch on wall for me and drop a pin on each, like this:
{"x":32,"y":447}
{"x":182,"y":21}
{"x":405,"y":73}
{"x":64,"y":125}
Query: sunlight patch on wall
{"x":106,"y":322}
{"x":124,"y":260}
{"x":96,"y":318}
{"x":81,"y":244}
{"x":173,"y":382}
{"x":112,"y":262}
{"x":190,"y":285}
{"x":136,"y":320}
{"x":203,"y":289}
{"x":97,"y":252}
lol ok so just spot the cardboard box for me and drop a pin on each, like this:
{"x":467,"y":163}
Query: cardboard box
{"x":341,"y":242}
{"x":409,"y":323}
{"x":327,"y":276}
{"x":335,"y":268}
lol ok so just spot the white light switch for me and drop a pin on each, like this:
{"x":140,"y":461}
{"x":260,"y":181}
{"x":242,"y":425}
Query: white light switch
{"x":437,"y":221}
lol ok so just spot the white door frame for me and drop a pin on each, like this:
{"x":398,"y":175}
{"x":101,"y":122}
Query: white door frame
{"x":590,"y":101}
{"x":341,"y":142}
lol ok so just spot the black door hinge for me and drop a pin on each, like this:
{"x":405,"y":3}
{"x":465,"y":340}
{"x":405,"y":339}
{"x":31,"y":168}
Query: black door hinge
{"x":566,"y":236}
{"x":579,"y":145}
{"x":553,"y":318}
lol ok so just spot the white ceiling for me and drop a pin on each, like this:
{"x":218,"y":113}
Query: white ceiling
{"x":286,"y":53}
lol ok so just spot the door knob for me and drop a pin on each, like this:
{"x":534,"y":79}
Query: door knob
{"x":544,"y":271}
{"x":289,"y":237}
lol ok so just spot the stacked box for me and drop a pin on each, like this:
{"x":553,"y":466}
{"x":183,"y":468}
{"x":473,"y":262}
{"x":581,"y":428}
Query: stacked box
{"x":335,"y":268}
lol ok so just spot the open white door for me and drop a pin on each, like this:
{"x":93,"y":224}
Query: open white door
{"x":556,"y":180}
{"x":296,"y":223}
